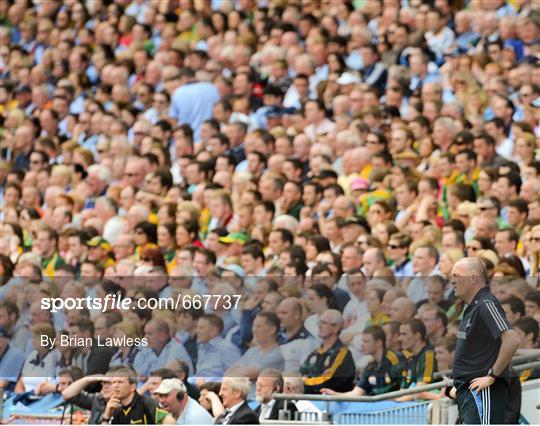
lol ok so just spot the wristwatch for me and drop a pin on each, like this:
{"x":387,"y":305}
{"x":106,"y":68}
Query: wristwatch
{"x":492,"y":374}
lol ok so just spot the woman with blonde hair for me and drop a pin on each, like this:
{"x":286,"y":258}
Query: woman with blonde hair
{"x":448,"y":259}
{"x":125,"y":355}
{"x":41,"y":362}
{"x":533,"y":255}
{"x":525,"y":148}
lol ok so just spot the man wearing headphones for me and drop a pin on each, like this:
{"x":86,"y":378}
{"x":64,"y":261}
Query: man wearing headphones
{"x":172,"y":396}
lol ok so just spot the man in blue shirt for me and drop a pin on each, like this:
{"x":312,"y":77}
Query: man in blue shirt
{"x":214,"y":354}
{"x":193,"y":101}
{"x":172,"y":396}
{"x":160,"y":350}
{"x":11,"y":361}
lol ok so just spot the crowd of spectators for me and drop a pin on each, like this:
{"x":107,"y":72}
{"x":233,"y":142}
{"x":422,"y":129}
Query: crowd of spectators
{"x":325,"y":162}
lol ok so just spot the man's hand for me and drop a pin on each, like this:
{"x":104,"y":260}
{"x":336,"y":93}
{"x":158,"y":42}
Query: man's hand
{"x":326,"y":391}
{"x":44,"y":388}
{"x":252,"y":302}
{"x":481,"y":383}
{"x":113,"y":405}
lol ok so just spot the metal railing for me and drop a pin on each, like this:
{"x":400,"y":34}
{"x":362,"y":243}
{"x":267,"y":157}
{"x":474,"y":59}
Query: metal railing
{"x":364,"y":398}
{"x":328,"y":399}
{"x":389,"y":415}
{"x":517,"y":360}
{"x":535,"y":364}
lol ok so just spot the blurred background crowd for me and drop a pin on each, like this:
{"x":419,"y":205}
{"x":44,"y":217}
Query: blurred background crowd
{"x":329,"y":161}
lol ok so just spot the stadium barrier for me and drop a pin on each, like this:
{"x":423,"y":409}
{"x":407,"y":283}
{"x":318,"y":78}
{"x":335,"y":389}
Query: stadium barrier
{"x":339,"y":409}
{"x":517,"y":360}
{"x":378,"y":409}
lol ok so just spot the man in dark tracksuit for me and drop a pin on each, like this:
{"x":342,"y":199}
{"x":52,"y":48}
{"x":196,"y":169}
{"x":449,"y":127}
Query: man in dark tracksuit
{"x":486,"y":343}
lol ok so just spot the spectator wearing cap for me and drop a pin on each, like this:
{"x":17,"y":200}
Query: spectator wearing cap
{"x":11,"y":361}
{"x":272,"y":100}
{"x":214,"y":354}
{"x":100,"y":252}
{"x":172,"y":396}
{"x":351,"y":228}
{"x":359,"y":187}
{"x":23,"y":94}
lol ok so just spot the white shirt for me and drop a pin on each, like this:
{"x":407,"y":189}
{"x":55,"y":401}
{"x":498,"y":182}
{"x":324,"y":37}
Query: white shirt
{"x":312,"y":324}
{"x":266,"y":408}
{"x":355,"y":314}
{"x":232,"y":410}
{"x":312,"y":130}
{"x":296,"y":352}
{"x":113,"y":229}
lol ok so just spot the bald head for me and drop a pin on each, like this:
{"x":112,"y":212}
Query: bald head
{"x":468,"y":276}
{"x":403,"y":309}
{"x":473,"y":267}
{"x":333,"y":316}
